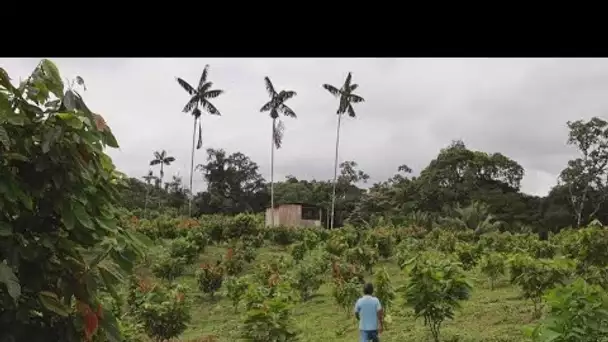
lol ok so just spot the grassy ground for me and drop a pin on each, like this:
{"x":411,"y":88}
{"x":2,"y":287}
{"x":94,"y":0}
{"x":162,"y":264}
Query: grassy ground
{"x":490,"y":315}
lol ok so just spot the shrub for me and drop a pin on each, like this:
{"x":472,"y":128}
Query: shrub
{"x":58,"y":221}
{"x":537,"y":276}
{"x":363,"y":255}
{"x":243,"y":225}
{"x":587,"y":245}
{"x":283,"y":236}
{"x":542,"y":249}
{"x":407,"y":249}
{"x":209,"y":278}
{"x":384,"y":242}
{"x":578,"y":313}
{"x":383,"y":289}
{"x":268,"y":317}
{"x":593,"y":275}
{"x":467,"y":255}
{"x":235,"y":290}
{"x":436,"y":286}
{"x":307,"y":277}
{"x":185,"y":249}
{"x":336,"y":245}
{"x":346,"y":294}
{"x":270,"y":274}
{"x":164,"y":314}
{"x":298,"y":251}
{"x":199,"y":238}
{"x":167,"y":267}
{"x":233,"y":263}
{"x":493,"y":266}
{"x":245,"y":251}
{"x":347,"y":272}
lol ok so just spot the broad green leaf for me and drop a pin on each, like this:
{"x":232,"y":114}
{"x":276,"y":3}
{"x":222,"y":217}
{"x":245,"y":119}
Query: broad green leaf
{"x":110,"y":274}
{"x":51,"y":302}
{"x":5,"y":105}
{"x":54,"y":77}
{"x":69,"y":100}
{"x":81,"y":215}
{"x":70,"y":120}
{"x":99,"y":257}
{"x":110,"y":140}
{"x":67,"y":216}
{"x":16,"y":120}
{"x":5,"y":229}
{"x":8,"y":278}
{"x":5,"y":80}
{"x":4,"y":139}
{"x":109,"y":326}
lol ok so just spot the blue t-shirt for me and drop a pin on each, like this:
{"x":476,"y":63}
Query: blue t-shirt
{"x":368,"y":307}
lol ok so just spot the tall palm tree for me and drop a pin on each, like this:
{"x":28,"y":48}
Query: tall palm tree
{"x":199,"y":98}
{"x":347,"y":98}
{"x":148,"y":178}
{"x":162,"y":159}
{"x":276,"y":106}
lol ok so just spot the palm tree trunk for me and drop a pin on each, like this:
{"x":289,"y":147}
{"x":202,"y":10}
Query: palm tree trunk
{"x":272,"y":145}
{"x":146,"y":200}
{"x":192,"y":169}
{"x":333,"y":197}
{"x":160,"y":185}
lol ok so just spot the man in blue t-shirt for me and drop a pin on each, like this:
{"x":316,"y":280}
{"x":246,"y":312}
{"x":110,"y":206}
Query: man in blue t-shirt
{"x":369,"y":313}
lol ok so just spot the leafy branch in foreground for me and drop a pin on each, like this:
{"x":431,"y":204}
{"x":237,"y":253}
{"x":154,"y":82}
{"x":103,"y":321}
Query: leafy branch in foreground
{"x":60,"y":245}
{"x":436,"y":287}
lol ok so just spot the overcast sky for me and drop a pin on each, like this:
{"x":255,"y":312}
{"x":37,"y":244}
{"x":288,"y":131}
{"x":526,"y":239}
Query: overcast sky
{"x":413,"y":108}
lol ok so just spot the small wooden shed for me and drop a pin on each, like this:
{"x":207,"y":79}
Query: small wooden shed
{"x":295,"y":215}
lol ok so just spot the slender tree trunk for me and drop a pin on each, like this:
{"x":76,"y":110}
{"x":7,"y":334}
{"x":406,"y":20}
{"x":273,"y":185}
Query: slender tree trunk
{"x":146,"y":200}
{"x":272,"y":145}
{"x":333,"y":197}
{"x":192,"y":170}
{"x":160,"y":185}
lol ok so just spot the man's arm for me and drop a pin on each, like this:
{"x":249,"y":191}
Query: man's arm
{"x":380,"y":315}
{"x":357,"y":309}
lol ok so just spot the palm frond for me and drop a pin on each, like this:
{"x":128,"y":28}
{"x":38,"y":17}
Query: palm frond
{"x":187,"y":87}
{"x":351,"y":111}
{"x":333,"y":90}
{"x":154,"y":162}
{"x":157,"y":155}
{"x":163,"y":154}
{"x":285,"y":95}
{"x":169,"y":160}
{"x":211,"y":94}
{"x":286,"y":111}
{"x":355,"y":98}
{"x":353,"y":87}
{"x":266,"y":107}
{"x":203,"y":78}
{"x":349,"y":78}
{"x":269,"y":87}
{"x":191,"y":104}
{"x":210,"y":108}
{"x":343,"y":105}
{"x":278,"y":134}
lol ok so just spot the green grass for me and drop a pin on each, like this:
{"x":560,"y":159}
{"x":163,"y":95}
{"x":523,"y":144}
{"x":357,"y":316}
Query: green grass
{"x":497,"y":315}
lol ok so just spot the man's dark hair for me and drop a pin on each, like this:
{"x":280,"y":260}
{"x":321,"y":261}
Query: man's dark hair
{"x":368,"y":289}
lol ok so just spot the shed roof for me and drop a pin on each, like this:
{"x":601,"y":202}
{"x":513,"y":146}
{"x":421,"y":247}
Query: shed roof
{"x":304,"y":204}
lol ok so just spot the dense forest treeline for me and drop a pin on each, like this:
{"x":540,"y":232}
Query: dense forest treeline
{"x":457,"y":178}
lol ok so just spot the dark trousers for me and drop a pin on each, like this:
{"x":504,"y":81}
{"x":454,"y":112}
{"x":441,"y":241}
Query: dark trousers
{"x":369,"y":336}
